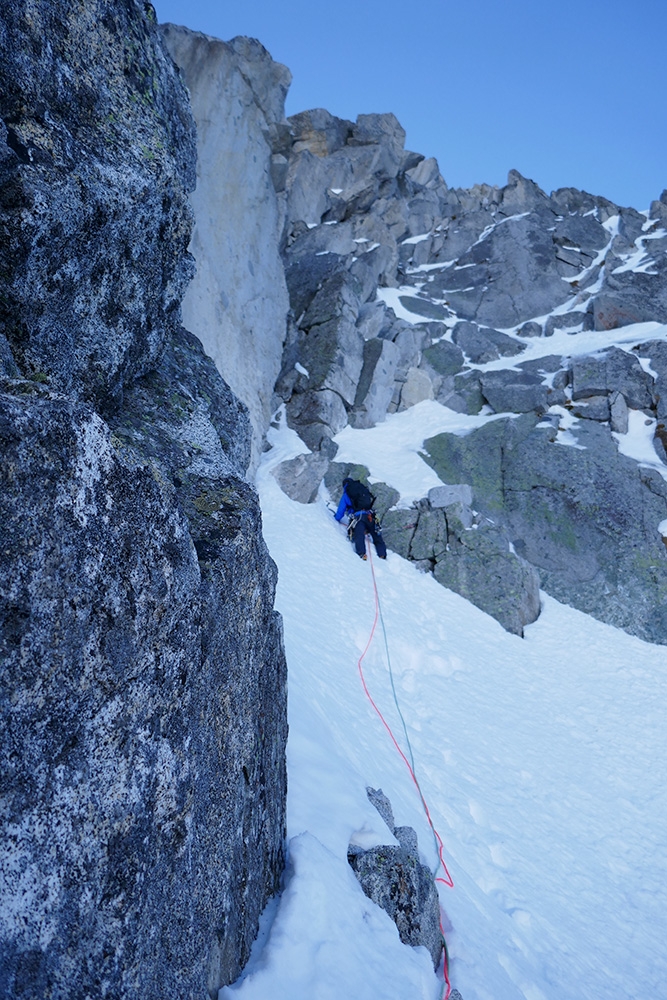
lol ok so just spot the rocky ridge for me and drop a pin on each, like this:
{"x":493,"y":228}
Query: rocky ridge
{"x":492,"y":301}
{"x":488,"y":301}
{"x":144,"y":697}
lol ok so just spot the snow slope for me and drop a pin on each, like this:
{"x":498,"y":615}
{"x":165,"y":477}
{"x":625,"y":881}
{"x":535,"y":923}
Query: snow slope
{"x":543,"y":762}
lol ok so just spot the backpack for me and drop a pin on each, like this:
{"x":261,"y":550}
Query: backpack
{"x":360,"y":496}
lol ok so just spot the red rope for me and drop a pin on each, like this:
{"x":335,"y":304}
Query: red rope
{"x":448,"y":878}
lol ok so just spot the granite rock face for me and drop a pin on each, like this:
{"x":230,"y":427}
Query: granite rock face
{"x":143,"y":709}
{"x":403,"y":290}
{"x":586,"y":518}
{"x":96,"y":145}
{"x":237,"y":302}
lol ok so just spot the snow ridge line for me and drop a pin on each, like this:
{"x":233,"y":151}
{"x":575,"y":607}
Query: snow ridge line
{"x":447,"y":880}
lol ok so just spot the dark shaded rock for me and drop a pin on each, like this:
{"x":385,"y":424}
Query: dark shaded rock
{"x":445,"y":358}
{"x":656,"y":350}
{"x":138,"y":757}
{"x":143,"y":712}
{"x":423,"y":307}
{"x":585,"y":518}
{"x":509,"y":391}
{"x":466,"y":395}
{"x":307,"y":274}
{"x":319,"y":132}
{"x":546,"y":365}
{"x":95,"y":218}
{"x":508,"y":277}
{"x":395,"y":879}
{"x":429,"y":540}
{"x":8,"y":366}
{"x":479,"y":565}
{"x":592,"y":408}
{"x":476,"y":345}
{"x":482,"y":345}
{"x":316,"y":415}
{"x":530,"y":329}
{"x":398,"y":528}
{"x":569,"y":320}
{"x":613,"y":371}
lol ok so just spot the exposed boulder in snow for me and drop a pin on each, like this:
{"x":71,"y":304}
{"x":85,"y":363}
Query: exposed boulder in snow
{"x":612,"y":371}
{"x":395,"y":879}
{"x":510,"y":391}
{"x":300,"y":477}
{"x":585,"y":517}
{"x":237,"y":303}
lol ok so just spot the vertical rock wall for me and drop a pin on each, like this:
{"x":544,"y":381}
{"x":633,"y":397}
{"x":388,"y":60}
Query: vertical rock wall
{"x":142,"y":707}
{"x":237,"y":303}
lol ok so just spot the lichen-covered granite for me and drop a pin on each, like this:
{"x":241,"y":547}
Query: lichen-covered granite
{"x":143,"y":698}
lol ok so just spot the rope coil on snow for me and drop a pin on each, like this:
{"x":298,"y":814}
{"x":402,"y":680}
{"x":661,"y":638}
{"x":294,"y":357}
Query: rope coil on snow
{"x":410,"y":764}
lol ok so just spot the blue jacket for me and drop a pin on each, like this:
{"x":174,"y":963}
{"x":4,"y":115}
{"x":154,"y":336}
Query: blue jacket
{"x":345,"y":507}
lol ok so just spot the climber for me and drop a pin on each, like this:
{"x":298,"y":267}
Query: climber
{"x":357,"y":502}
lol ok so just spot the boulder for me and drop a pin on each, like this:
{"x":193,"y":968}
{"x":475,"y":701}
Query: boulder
{"x":444,"y":358}
{"x":618,"y":413}
{"x":592,"y":408}
{"x":613,"y":371}
{"x":480,"y":566}
{"x":376,"y":383}
{"x":299,"y":478}
{"x":316,"y":415}
{"x":510,"y":391}
{"x":572,"y":513}
{"x":566,"y":321}
{"x":395,"y":879}
{"x":307,"y":273}
{"x":398,"y":528}
{"x":429,"y":541}
{"x":482,"y":345}
{"x":318,"y":131}
{"x":417,"y":387}
{"x":530,"y":329}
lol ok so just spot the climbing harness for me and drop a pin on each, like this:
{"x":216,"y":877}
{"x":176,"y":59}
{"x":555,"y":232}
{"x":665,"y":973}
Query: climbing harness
{"x":410,"y":764}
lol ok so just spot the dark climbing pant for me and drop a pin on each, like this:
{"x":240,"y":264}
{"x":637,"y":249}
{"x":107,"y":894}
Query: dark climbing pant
{"x":367,"y":525}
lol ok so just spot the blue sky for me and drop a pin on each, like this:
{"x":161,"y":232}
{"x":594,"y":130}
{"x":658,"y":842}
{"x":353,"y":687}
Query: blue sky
{"x":571,"y":94}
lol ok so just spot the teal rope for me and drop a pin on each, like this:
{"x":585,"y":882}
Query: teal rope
{"x":405,"y":728}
